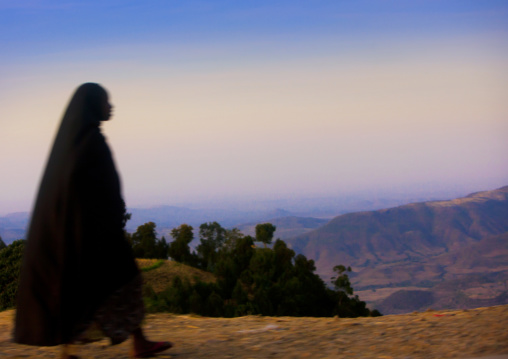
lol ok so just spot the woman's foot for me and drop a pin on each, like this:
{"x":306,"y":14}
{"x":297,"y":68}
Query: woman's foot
{"x":143,"y":348}
{"x":151,"y":349}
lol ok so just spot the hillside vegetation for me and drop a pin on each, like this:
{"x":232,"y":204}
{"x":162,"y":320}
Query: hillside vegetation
{"x":229,"y":275}
{"x":250,"y":276}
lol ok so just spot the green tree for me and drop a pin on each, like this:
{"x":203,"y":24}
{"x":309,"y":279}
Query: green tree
{"x":179,"y":248}
{"x":144,"y":240}
{"x":343,"y":288}
{"x":176,"y":297}
{"x":341,"y":281}
{"x":264,"y":233}
{"x":348,"y":305}
{"x":233,"y":261}
{"x":125,"y":218}
{"x":262,"y":273}
{"x":145,"y":244}
{"x":310,"y":293}
{"x":2,"y":243}
{"x":162,"y":248}
{"x":212,"y":238}
{"x":283,"y":258}
{"x":250,"y":280}
{"x":10,"y":265}
{"x":230,"y":238}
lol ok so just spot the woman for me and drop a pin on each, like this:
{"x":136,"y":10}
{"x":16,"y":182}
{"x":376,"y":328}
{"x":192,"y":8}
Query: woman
{"x":78,"y":269}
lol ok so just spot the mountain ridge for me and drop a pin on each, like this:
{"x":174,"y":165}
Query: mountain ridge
{"x":417,"y":245}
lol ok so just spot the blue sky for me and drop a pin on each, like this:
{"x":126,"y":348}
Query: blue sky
{"x":258,"y":99}
{"x":41,"y":27}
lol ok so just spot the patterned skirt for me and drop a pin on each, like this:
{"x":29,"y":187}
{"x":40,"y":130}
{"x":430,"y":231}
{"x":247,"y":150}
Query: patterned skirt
{"x":118,"y":316}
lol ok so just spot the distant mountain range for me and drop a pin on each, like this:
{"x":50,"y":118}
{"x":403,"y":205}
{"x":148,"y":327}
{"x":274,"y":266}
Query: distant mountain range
{"x":245,"y":214}
{"x":287,"y":227}
{"x":171,"y":217}
{"x":13,"y":226}
{"x":432,"y":254}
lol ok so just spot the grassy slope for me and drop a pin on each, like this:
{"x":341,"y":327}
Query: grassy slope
{"x":159,"y":278}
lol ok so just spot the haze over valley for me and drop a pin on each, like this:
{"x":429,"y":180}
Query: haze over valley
{"x":245,"y":213}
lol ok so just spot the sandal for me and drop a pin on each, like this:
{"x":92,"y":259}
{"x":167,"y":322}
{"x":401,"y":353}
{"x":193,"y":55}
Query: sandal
{"x":156,"y":348}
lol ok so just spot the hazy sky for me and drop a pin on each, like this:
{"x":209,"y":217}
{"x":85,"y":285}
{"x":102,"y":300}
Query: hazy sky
{"x":261,"y":98}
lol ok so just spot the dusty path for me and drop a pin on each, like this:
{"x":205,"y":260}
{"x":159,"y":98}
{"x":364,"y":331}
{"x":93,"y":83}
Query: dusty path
{"x":479,"y":332}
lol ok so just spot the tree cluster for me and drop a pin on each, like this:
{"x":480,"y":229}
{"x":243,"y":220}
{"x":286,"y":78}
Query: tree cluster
{"x":252,"y":279}
{"x":144,"y":241}
{"x":145,"y":244}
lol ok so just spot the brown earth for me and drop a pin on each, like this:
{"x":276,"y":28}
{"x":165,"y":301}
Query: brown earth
{"x":477,"y":332}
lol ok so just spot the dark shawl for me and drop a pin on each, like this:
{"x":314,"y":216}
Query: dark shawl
{"x":76,"y":254}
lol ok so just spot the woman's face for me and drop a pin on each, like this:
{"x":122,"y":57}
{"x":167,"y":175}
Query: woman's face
{"x":107,"y":109}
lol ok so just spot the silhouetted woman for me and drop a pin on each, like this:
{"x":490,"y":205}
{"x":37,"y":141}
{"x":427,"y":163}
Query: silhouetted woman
{"x":78,"y":270}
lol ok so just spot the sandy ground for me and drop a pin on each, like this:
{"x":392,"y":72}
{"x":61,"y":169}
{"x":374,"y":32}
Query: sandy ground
{"x":475,"y":333}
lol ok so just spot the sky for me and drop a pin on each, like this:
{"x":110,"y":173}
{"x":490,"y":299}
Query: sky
{"x":260,"y":99}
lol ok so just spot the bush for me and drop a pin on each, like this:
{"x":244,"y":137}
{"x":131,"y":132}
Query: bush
{"x":10,"y":266}
{"x":266,"y":281}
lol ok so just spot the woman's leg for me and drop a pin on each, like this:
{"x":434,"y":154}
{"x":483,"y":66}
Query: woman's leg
{"x":139,"y":341}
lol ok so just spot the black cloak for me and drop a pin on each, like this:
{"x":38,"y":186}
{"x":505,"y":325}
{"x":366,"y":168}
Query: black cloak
{"x":76,"y":254}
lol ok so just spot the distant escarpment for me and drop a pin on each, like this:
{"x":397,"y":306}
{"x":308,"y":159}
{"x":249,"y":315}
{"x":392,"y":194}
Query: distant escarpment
{"x":455,"y":251}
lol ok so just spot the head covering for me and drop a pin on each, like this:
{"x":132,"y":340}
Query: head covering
{"x":76,"y":254}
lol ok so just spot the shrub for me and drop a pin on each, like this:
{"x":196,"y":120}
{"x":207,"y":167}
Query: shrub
{"x":10,"y":266}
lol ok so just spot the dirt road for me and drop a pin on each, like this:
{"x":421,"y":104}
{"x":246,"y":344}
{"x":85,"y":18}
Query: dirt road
{"x":472,"y":333}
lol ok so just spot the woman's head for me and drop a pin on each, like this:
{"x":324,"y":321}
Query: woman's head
{"x":88,"y":107}
{"x":95,"y":100}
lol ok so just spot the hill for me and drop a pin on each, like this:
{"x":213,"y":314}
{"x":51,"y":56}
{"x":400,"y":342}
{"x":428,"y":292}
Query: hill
{"x":162,"y":276}
{"x":438,"y":245}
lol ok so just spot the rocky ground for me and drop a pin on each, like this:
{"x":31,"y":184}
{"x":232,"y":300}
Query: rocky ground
{"x":481,"y":332}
